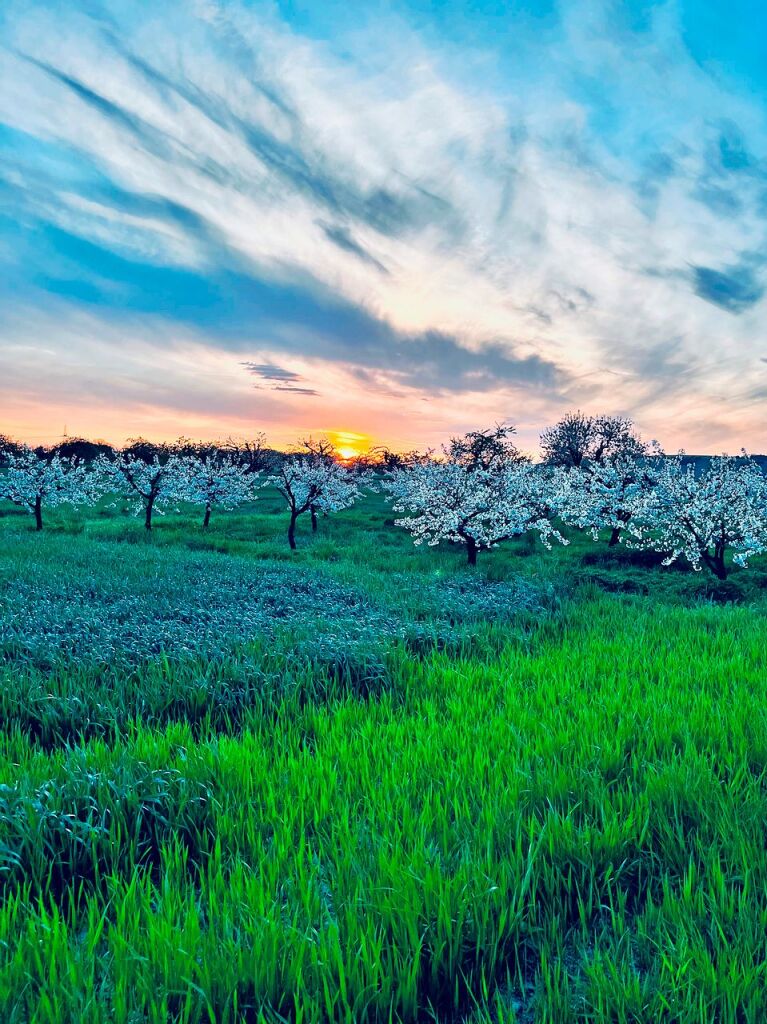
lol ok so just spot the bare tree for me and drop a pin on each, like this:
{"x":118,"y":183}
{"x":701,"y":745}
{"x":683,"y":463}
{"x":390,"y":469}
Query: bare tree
{"x":579,"y":439}
{"x":252,"y":453}
{"x":480,"y":449}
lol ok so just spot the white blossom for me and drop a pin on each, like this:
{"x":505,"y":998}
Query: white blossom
{"x":314,"y":484}
{"x":33,"y":482}
{"x":149,"y":485}
{"x":702,"y":517}
{"x":604,"y":495}
{"x":477,"y":504}
{"x":215,"y":481}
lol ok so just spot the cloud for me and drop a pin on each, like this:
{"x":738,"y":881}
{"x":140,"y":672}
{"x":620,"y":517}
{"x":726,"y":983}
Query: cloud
{"x":303,"y":317}
{"x":735,"y":290}
{"x":269,"y":371}
{"x":732,"y":152}
{"x":279,"y":378}
{"x":343,"y":239}
{"x":388,"y":204}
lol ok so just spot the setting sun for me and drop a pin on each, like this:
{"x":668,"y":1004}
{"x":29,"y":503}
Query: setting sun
{"x":349,"y":445}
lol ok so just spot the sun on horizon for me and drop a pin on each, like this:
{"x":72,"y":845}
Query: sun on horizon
{"x":349,"y":445}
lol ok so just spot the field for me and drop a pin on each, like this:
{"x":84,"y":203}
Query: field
{"x":361,"y":782}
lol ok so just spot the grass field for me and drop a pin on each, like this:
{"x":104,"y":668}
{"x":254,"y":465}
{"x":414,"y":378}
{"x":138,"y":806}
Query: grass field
{"x":363,"y":783}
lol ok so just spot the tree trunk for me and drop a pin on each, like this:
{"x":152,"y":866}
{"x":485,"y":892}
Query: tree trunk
{"x":623,"y":517}
{"x":38,"y":513}
{"x":471,"y":550}
{"x":148,"y":516}
{"x":292,"y":531}
{"x":313,"y":510}
{"x":716,"y":564}
{"x":206,"y":520}
{"x":719,"y":569}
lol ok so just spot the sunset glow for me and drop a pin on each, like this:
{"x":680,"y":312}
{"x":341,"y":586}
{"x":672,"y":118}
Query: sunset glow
{"x":349,"y":445}
{"x":227,"y":218}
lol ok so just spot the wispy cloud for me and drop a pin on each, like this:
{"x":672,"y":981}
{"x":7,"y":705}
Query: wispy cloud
{"x":269,"y":371}
{"x":526,"y":233}
{"x":278,"y":378}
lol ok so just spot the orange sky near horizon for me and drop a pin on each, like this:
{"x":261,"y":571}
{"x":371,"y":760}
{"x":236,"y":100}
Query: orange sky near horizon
{"x":351,"y":429}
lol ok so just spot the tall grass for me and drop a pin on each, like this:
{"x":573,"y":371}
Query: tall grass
{"x":560,"y":817}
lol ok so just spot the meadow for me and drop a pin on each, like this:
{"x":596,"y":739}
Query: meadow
{"x":362,"y":782}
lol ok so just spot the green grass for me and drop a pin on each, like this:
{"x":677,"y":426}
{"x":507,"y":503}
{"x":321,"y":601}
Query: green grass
{"x":533,"y":793}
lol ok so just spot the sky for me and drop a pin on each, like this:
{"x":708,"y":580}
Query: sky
{"x":389,"y":222}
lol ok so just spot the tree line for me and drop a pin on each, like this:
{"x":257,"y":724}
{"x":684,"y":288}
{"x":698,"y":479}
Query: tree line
{"x":478,"y":490}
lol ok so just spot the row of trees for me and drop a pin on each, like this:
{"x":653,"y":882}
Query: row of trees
{"x":575,"y":440}
{"x":309,"y":478}
{"x":479,"y":490}
{"x":645,"y":499}
{"x":252,"y":452}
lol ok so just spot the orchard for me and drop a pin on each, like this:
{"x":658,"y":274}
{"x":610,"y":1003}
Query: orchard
{"x":477,"y":491}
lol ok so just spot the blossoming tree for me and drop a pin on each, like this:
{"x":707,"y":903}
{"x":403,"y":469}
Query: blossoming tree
{"x":476,"y":501}
{"x":609,"y":457}
{"x":605,"y":495}
{"x":703,"y":517}
{"x":215,"y":481}
{"x":321,"y":450}
{"x":150,"y":483}
{"x":314,"y":484}
{"x":33,"y":481}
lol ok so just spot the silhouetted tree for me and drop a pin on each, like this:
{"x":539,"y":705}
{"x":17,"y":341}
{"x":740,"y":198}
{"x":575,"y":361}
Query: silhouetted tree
{"x":383,"y":458}
{"x":83,"y":450}
{"x":141,"y":449}
{"x":8,"y":447}
{"x":252,"y":453}
{"x":578,"y":438}
{"x":480,"y":449}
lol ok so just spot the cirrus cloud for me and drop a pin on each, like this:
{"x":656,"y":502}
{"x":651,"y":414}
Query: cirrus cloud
{"x":411,"y":228}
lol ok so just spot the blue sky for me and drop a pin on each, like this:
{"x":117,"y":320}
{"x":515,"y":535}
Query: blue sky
{"x":390,"y":220}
